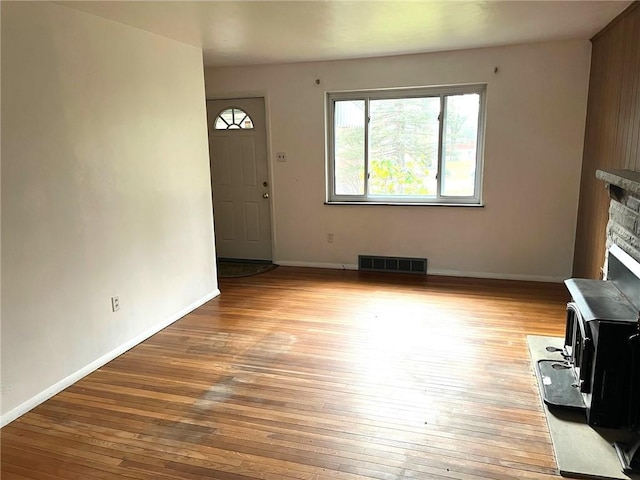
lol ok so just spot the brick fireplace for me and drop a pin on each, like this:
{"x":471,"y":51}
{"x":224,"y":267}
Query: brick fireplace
{"x":623,"y":228}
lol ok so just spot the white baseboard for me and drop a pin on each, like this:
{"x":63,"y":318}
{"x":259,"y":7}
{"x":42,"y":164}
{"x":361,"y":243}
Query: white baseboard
{"x":334,"y":266}
{"x":36,"y":400}
{"x":498,"y":276}
{"x":444,"y":273}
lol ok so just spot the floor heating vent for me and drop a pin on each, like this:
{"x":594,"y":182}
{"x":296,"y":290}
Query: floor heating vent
{"x":392,"y":264}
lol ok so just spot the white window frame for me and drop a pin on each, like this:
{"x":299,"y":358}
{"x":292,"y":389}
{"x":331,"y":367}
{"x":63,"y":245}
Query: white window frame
{"x":368,"y":95}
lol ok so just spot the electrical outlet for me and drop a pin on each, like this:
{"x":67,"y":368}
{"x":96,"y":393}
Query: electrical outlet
{"x":281,"y":156}
{"x":115,"y":303}
{"x":329,"y":237}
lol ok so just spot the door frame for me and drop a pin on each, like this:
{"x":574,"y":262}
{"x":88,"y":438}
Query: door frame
{"x":267,"y":126}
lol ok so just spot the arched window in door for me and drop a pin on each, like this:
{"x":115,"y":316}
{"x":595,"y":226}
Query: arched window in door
{"x":233,"y":119}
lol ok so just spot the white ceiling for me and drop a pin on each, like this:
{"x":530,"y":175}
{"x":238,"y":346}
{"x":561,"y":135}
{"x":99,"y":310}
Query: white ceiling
{"x":262,"y":32}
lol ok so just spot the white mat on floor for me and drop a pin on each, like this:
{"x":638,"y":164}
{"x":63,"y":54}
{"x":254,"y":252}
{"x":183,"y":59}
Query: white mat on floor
{"x":581,"y":451}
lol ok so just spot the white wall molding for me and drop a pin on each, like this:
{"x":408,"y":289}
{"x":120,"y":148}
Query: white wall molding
{"x":497,"y":276}
{"x":444,"y":273}
{"x":41,"y":397}
{"x":334,"y":266}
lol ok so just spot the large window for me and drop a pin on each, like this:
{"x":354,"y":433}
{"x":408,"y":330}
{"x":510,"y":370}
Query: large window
{"x":417,"y":146}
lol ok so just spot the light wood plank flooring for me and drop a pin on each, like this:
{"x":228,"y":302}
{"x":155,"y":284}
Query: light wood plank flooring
{"x":312,"y":374}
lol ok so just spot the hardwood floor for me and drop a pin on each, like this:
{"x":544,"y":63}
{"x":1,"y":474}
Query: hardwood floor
{"x":312,"y":374}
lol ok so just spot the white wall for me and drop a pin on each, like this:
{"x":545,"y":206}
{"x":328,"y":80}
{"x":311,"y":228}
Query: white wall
{"x":533,"y":151}
{"x":105,"y":190}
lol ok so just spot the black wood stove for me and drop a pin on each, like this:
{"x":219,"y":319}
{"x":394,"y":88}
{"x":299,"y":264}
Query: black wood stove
{"x":601,"y":372}
{"x":600,"y":323}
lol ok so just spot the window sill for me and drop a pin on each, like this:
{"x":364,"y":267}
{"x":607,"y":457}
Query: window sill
{"x":407,"y":204}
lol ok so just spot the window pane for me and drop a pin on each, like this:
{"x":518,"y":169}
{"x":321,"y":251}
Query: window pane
{"x":403,"y":146}
{"x":227,"y":115}
{"x":246,"y":122}
{"x":220,"y":124}
{"x":460,"y":145}
{"x":233,"y":119}
{"x":349,"y":147}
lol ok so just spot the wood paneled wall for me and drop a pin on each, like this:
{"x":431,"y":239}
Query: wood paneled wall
{"x":612,"y":135}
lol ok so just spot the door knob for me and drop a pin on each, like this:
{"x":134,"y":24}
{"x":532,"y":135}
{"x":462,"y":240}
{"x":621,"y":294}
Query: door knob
{"x":265,"y":195}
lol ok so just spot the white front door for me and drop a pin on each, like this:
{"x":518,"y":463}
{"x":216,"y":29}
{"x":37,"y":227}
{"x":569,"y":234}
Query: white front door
{"x":239,"y":178}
